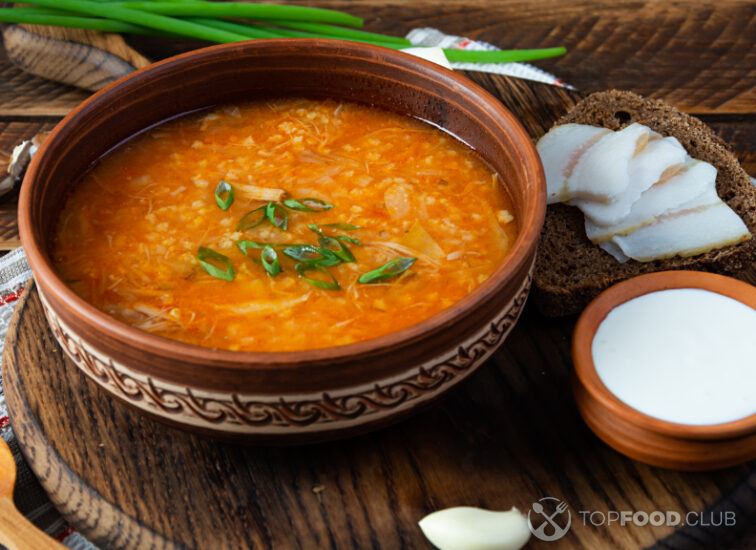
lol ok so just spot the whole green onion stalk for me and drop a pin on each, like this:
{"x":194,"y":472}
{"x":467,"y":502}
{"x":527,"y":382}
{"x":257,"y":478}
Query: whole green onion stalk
{"x":209,"y":21}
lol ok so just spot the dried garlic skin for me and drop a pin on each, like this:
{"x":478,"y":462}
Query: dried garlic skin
{"x":468,"y":528}
{"x":19,"y":160}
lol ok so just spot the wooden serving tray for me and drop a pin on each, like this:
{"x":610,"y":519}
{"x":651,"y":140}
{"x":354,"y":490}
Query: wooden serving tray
{"x":509,"y":436}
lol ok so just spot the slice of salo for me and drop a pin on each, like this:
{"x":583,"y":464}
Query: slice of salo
{"x":687,"y":184}
{"x":560,"y":150}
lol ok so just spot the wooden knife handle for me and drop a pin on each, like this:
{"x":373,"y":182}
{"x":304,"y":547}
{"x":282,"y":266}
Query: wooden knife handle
{"x":85,"y":59}
{"x":18,"y":533}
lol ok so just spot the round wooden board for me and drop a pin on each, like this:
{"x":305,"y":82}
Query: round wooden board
{"x":509,"y":436}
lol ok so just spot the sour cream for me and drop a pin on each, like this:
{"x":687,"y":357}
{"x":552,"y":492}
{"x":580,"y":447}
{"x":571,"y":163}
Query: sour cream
{"x":681,"y":355}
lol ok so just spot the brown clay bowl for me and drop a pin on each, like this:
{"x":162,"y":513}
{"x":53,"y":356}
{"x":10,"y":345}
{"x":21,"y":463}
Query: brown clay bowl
{"x":633,"y":433}
{"x":293,"y":396}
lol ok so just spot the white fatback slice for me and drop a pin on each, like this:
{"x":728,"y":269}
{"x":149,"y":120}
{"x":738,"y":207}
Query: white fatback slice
{"x":560,"y":150}
{"x":685,"y":233}
{"x":689,"y":183}
{"x":645,"y":169}
{"x":707,"y":198}
{"x":614,"y":250}
{"x":602,"y":173}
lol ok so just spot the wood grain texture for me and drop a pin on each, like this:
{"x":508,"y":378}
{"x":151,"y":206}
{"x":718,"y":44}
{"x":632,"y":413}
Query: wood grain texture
{"x":509,"y":436}
{"x":71,"y":56}
{"x":25,"y":95}
{"x":109,"y":42}
{"x":536,"y":106}
{"x":740,"y":133}
{"x":698,"y":55}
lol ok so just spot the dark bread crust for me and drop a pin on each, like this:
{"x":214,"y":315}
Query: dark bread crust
{"x":570,"y":270}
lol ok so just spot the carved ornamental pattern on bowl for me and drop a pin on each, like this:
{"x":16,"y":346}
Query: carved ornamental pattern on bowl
{"x":245,"y":414}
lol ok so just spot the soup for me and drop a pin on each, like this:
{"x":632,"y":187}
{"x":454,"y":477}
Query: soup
{"x":284,"y":225}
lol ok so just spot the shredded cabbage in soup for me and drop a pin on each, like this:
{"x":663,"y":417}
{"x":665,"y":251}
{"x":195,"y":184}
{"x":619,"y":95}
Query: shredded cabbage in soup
{"x":335,"y":223}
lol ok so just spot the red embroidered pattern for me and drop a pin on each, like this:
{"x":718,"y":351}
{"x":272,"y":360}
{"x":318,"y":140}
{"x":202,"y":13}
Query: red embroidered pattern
{"x":65,"y":533}
{"x":12,"y":297}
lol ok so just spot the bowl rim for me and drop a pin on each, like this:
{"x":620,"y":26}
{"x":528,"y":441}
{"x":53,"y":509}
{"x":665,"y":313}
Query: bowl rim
{"x":517,"y":258}
{"x":618,"y":294}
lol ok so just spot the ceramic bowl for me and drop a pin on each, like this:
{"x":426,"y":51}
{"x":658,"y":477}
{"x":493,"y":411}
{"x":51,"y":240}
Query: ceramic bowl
{"x":633,"y":433}
{"x":285,"y":397}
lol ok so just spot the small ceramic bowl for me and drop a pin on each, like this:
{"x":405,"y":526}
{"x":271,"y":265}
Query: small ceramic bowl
{"x":286,"y":397}
{"x":633,"y":433}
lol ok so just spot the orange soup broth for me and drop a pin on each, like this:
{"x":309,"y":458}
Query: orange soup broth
{"x":128,"y":236}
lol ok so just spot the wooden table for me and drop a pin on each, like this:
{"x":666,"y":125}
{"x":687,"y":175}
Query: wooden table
{"x":697,"y":55}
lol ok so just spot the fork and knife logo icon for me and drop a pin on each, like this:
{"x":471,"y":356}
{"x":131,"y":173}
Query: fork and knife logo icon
{"x":549,"y":528}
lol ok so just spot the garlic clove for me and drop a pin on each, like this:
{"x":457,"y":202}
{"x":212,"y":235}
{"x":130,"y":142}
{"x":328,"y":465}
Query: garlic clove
{"x":468,"y":528}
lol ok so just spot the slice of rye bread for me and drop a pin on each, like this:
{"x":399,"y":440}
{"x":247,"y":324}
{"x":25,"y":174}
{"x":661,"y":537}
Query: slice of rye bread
{"x":570,"y":270}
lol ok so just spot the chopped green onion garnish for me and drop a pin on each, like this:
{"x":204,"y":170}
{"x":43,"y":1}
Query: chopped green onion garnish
{"x":250,"y":220}
{"x":307,"y":205}
{"x":347,"y":227}
{"x":207,"y":255}
{"x":343,"y":226}
{"x":314,"y":227}
{"x":314,"y":265}
{"x":277,"y":215}
{"x":224,"y":188}
{"x":336,"y":247}
{"x":348,"y":239}
{"x":329,"y":260}
{"x":269,"y":259}
{"x":246,"y":245}
{"x":303,"y":252}
{"x":391,"y":269}
{"x":312,"y":254}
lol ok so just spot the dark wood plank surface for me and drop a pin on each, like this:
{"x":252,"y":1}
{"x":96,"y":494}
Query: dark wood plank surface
{"x":24,"y":96}
{"x":495,"y":442}
{"x":740,"y":132}
{"x":509,"y":436}
{"x":696,"y":54}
